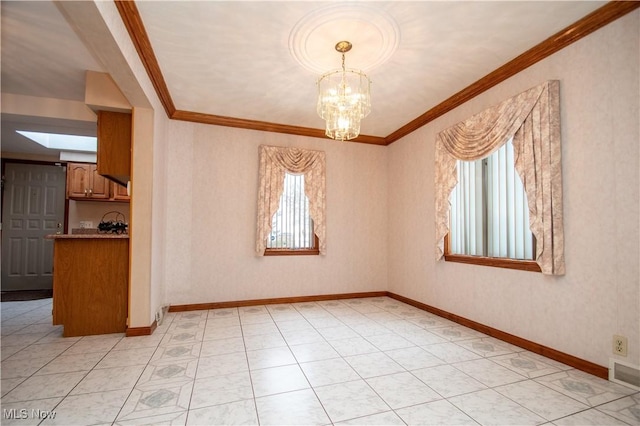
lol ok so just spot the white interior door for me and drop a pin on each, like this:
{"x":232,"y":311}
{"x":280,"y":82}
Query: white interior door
{"x":33,"y":206}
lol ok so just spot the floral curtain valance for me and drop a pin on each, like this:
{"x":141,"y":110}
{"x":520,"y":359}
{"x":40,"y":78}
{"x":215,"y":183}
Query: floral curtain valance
{"x":275,"y":162}
{"x":532,"y":119}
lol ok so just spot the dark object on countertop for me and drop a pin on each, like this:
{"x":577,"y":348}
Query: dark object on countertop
{"x":116,"y":226}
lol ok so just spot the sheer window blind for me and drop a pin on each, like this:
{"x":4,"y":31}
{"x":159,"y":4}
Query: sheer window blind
{"x":292,"y":226}
{"x":489,"y":211}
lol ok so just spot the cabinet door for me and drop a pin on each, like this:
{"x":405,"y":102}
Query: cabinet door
{"x":78,"y":180}
{"x":101,"y":186}
{"x":119,"y":192}
{"x":114,"y":145}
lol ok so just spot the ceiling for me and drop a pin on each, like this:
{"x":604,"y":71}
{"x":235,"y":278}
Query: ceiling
{"x":43,"y":57}
{"x":260,"y":60}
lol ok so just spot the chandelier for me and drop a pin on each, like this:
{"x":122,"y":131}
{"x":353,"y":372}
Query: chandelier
{"x":344,"y":99}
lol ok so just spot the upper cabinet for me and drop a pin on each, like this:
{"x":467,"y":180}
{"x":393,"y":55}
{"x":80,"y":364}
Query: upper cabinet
{"x":114,"y":146}
{"x":85,"y":184}
{"x":119,"y":192}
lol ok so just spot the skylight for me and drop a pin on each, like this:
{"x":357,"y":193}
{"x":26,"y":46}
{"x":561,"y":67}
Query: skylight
{"x":63,"y":142}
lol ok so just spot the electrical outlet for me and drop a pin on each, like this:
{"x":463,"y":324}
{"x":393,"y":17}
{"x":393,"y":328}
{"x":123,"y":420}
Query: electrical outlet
{"x":620,"y":345}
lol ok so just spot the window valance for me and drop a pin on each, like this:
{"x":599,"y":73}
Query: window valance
{"x":275,"y":162}
{"x":532,"y":119}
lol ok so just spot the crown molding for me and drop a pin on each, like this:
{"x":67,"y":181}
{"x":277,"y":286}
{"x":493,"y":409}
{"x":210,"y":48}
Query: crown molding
{"x":574,"y":32}
{"x":264,"y":126}
{"x":135,"y":27}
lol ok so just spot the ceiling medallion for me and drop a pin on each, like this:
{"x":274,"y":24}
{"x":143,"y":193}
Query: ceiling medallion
{"x":370,"y":28}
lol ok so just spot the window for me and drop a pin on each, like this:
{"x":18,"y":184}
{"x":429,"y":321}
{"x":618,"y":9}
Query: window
{"x":532,"y":120}
{"x":291,"y":201}
{"x":489,"y":214}
{"x":292,"y":226}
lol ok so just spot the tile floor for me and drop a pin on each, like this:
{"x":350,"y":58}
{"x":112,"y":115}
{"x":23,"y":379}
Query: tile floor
{"x":358,"y":361}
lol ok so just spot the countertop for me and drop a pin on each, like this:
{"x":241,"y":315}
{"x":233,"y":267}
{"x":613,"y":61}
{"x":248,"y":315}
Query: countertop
{"x":86,"y":236}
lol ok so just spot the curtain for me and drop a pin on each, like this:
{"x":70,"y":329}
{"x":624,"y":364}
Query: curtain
{"x":275,"y":162}
{"x":532,"y":118}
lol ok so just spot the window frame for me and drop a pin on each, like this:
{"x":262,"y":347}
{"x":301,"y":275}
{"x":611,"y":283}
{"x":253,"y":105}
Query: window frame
{"x":497,"y":262}
{"x":295,"y":252}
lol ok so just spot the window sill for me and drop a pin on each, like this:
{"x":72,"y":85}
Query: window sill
{"x":289,"y":252}
{"x":523,"y":265}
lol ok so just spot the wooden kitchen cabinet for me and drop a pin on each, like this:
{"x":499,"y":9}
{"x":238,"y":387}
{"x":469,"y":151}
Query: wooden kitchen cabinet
{"x":114,"y":146}
{"x":90,"y":283}
{"x":84,"y":183}
{"x":119,"y":192}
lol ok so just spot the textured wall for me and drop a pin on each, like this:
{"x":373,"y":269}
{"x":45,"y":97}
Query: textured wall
{"x":212,"y":178}
{"x":600,"y":294}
